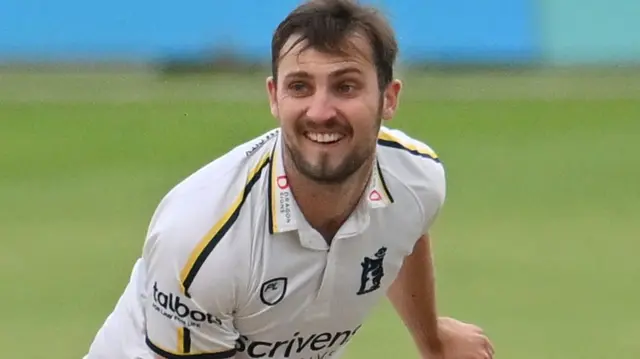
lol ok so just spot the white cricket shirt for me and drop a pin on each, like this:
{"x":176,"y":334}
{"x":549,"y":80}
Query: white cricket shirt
{"x":230,"y":268}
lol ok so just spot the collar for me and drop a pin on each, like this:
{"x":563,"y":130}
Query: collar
{"x":284,"y":212}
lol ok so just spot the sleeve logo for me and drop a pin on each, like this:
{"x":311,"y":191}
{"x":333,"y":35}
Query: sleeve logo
{"x":174,"y":307}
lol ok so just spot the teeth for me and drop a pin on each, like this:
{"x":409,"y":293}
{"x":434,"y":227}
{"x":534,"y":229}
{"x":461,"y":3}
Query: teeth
{"x":324,"y":137}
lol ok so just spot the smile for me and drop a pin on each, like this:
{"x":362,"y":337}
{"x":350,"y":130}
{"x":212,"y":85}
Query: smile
{"x":323,"y":138}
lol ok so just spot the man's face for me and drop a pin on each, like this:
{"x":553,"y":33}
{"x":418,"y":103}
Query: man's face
{"x":330,"y":108}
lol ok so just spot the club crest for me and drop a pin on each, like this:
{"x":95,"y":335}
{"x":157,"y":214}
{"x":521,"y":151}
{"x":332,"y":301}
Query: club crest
{"x":372,"y":272}
{"x":273,"y":291}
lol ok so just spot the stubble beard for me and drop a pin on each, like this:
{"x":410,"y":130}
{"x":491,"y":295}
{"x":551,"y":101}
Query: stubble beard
{"x":322,"y":172}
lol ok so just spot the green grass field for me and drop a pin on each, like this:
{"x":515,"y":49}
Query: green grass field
{"x":538,"y":242}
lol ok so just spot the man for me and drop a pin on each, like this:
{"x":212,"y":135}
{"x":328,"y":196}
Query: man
{"x":282,"y":247}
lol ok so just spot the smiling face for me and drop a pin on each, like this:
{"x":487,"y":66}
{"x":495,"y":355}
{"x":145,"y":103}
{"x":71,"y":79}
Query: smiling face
{"x":330,"y":107}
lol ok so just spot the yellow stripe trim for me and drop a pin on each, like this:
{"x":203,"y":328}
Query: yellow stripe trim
{"x":385,"y":191}
{"x":180,"y":340}
{"x":274,"y":217}
{"x":386,"y":195}
{"x":425,"y":151}
{"x":216,"y":228}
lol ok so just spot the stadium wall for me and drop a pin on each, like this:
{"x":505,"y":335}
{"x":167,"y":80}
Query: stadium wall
{"x":435,"y":31}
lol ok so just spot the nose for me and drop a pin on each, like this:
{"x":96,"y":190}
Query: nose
{"x":321,"y":107}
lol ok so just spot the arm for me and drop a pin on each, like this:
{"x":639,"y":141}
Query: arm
{"x":183,"y":323}
{"x":413,"y":296}
{"x":413,"y":291}
{"x":186,"y":318}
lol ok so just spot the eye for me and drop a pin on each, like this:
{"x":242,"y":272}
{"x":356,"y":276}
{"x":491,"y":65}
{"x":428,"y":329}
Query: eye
{"x":298,"y":88}
{"x":346,"y":88}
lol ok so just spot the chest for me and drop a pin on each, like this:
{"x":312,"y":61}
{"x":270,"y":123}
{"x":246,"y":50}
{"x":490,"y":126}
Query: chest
{"x":312,"y":298}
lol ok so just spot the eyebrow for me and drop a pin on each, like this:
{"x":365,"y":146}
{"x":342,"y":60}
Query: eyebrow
{"x":337,"y":73}
{"x":345,"y":71}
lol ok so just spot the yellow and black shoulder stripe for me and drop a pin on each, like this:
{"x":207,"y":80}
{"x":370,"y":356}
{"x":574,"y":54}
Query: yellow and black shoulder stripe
{"x":387,"y":140}
{"x":218,"y":231}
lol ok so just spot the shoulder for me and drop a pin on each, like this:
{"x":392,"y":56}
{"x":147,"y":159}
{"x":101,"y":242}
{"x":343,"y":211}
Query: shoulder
{"x":214,"y":189}
{"x":410,"y":160}
{"x":412,"y":164}
{"x":197,"y":214}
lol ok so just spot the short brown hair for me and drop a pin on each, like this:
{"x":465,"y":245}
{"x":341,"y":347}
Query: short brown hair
{"x":326,"y":24}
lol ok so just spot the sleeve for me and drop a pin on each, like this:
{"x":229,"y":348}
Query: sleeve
{"x":432,"y":193}
{"x":188,"y":315}
{"x":425,"y":175}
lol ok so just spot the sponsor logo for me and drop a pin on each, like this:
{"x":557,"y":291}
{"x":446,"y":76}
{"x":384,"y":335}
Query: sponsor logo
{"x":285,"y":207}
{"x":175,"y":307}
{"x":375,"y":196}
{"x":261,"y":143}
{"x":273,"y":291}
{"x":283,"y":182}
{"x":372,"y":272}
{"x":312,"y":346}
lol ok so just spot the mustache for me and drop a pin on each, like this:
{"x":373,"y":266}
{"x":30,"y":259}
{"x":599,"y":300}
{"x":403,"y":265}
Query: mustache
{"x":333,"y":124}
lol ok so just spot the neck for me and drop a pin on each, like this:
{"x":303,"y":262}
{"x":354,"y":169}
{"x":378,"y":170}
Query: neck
{"x":327,"y":206}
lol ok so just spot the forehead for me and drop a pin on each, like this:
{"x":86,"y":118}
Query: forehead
{"x":298,"y":56}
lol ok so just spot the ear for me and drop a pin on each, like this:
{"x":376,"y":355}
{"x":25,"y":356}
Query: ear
{"x":390,"y":99}
{"x":272,"y":93}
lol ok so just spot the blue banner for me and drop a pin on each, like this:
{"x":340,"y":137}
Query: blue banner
{"x":441,"y":31}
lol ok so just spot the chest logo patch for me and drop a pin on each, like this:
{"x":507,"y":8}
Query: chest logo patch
{"x":372,"y":272}
{"x":273,"y":290}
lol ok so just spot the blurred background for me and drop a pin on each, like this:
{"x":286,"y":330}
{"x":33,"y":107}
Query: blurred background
{"x":533,"y":105}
